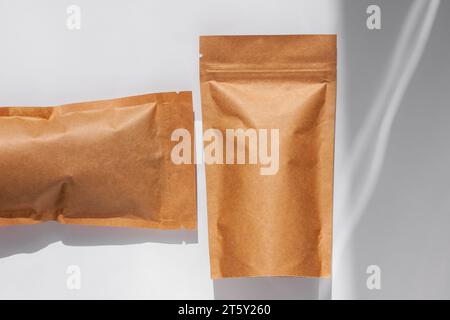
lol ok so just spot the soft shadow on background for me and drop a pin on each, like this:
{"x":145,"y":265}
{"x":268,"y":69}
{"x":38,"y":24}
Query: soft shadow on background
{"x":286,"y":288}
{"x":396,"y":211}
{"x":32,"y":238}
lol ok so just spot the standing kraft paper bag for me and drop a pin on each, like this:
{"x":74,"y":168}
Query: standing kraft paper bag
{"x":268,"y":112}
{"x":102,"y":163}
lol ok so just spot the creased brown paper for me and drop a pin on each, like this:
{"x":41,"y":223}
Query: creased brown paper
{"x":277,"y":224}
{"x":99,"y":163}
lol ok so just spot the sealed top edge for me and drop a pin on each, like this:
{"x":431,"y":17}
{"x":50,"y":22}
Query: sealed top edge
{"x":292,"y":51}
{"x":182,"y":97}
{"x":271,"y":36}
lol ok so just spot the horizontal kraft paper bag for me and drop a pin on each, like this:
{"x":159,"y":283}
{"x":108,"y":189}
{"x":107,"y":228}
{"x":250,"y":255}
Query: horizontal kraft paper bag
{"x":277,"y":223}
{"x":102,"y":163}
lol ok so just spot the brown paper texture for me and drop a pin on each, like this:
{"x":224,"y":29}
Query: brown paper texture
{"x":279,"y":224}
{"x":98,"y":163}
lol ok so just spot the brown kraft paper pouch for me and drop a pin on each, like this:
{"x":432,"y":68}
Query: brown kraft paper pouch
{"x":278,"y":223}
{"x":97,"y":163}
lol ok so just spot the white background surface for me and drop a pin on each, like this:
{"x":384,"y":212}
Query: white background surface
{"x":135,"y":47}
{"x":126,"y":48}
